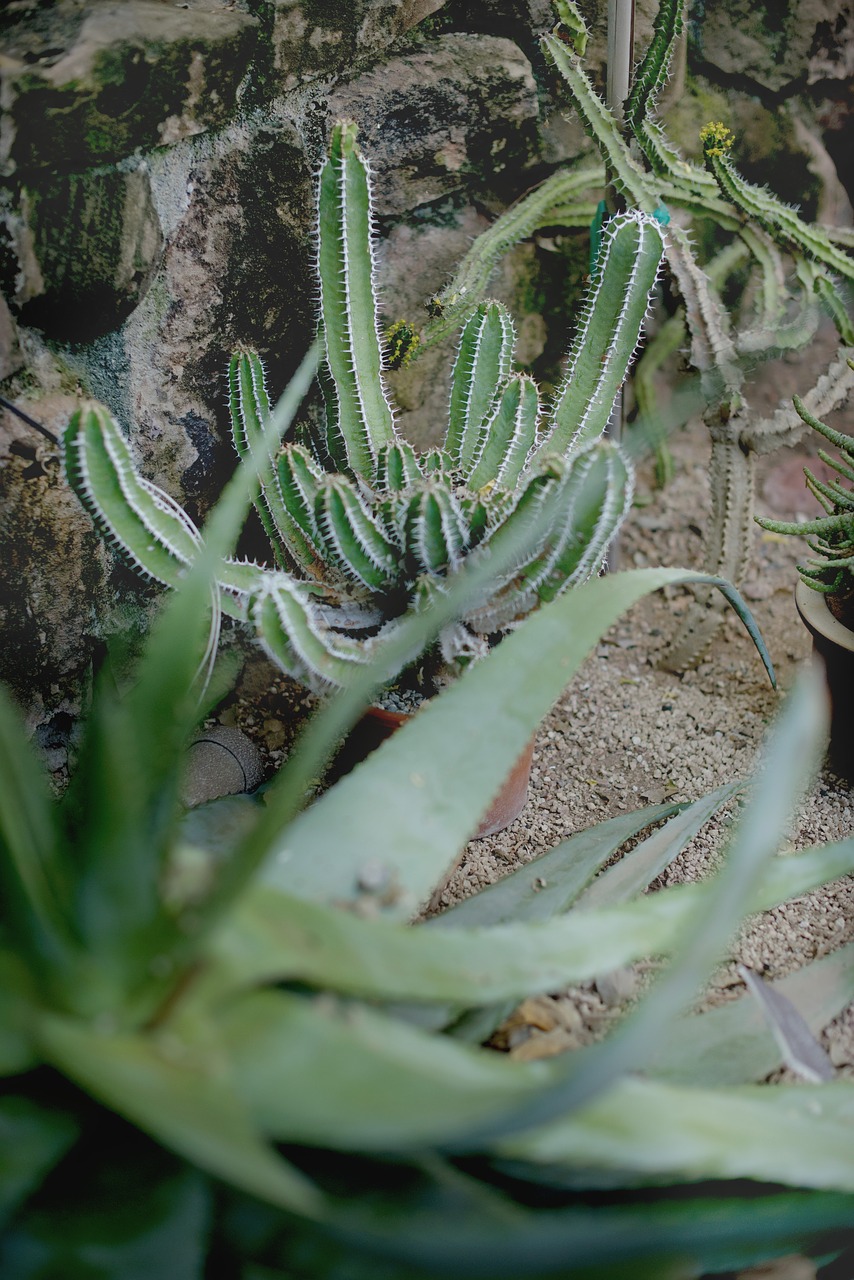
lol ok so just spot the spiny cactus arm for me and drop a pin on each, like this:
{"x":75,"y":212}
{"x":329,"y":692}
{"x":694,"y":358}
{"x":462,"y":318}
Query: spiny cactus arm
{"x":595,"y":497}
{"x":833,"y":303}
{"x":727,"y":547}
{"x":300,"y":480}
{"x":480,"y":370}
{"x":348,"y":302}
{"x":435,"y":534}
{"x":712,"y":349}
{"x":398,"y":468}
{"x":138,"y":520}
{"x":653,"y":71}
{"x":780,"y":220}
{"x":565,"y":199}
{"x":627,"y":176}
{"x":297,"y":636}
{"x":613,"y":313}
{"x":351,"y":538}
{"x":249,"y":406}
{"x":508,"y":435}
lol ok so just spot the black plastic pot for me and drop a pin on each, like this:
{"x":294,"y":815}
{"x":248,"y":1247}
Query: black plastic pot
{"x":834,"y":644}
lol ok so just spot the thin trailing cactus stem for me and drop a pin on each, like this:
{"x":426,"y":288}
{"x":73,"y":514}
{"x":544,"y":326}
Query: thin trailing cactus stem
{"x":353,"y":346}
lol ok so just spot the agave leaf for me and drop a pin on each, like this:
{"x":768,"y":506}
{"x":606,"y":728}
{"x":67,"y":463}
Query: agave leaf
{"x":185,"y":1099}
{"x":636,"y":870}
{"x":704,"y":1234}
{"x":35,"y":1138}
{"x":799,"y":1135}
{"x":792,"y":750}
{"x":412,"y":805}
{"x":552,"y":882}
{"x":733,"y":1044}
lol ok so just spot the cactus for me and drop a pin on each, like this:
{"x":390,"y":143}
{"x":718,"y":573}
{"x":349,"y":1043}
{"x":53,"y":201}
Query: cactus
{"x":362,"y":527}
{"x":830,"y":537}
{"x":647,"y":173}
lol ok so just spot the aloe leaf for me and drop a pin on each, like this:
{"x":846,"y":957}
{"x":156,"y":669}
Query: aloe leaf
{"x":549,"y":884}
{"x":801,"y":1051}
{"x":733,"y":1044}
{"x":185,"y":1100}
{"x":33,"y":877}
{"x":310,"y":1072}
{"x":121,"y":1209}
{"x":792,"y":750}
{"x":272,"y":937}
{"x":18,"y":1004}
{"x":799,"y":1135}
{"x":704,"y":1233}
{"x":636,"y":870}
{"x":34,"y":1139}
{"x":411,"y":806}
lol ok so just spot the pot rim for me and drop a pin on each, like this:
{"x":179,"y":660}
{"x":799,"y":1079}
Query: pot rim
{"x":812,"y":606}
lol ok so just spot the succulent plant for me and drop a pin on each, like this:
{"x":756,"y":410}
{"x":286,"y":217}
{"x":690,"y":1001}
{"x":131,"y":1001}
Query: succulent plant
{"x":363,"y":527}
{"x":831,"y":536}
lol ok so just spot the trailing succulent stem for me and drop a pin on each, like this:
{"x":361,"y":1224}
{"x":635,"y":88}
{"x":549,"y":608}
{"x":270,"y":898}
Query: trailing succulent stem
{"x":362,"y":527}
{"x":794,"y":268}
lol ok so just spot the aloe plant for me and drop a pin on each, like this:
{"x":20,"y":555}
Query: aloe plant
{"x":364,"y":528}
{"x":265,"y":993}
{"x":795,"y":269}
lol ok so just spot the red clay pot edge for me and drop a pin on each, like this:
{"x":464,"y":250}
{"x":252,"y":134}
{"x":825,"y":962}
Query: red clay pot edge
{"x":510,"y":800}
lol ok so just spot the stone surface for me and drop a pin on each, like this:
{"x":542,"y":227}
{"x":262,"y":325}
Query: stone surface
{"x":87,"y":84}
{"x":458,"y":111}
{"x":11,"y":357}
{"x":318,"y":37}
{"x":774,"y":43}
{"x":81,"y":250}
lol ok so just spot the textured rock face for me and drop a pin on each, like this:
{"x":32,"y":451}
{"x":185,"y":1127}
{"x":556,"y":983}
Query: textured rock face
{"x":156,"y":210}
{"x":778,"y":43}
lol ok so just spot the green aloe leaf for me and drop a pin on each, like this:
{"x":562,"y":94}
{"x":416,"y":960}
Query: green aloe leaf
{"x":733,"y":1044}
{"x":182,"y":1094}
{"x":122,"y":1211}
{"x":552,"y":882}
{"x":702,"y":1234}
{"x":792,"y":750}
{"x":412,"y":805}
{"x":272,"y":937}
{"x":32,"y":1140}
{"x":344,"y":1076}
{"x":634,"y":872}
{"x":799,"y":1135}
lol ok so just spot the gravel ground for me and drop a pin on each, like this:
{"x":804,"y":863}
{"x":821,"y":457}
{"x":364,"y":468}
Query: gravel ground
{"x":626,"y":734}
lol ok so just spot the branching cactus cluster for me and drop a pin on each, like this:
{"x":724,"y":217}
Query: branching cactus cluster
{"x":796,"y":269}
{"x":364,"y":528}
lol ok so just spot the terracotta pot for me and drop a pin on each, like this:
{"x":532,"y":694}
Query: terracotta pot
{"x":834,"y":644}
{"x":377,"y":724}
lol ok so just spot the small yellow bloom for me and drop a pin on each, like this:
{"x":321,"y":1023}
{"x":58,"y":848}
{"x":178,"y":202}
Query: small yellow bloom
{"x":716,"y":138}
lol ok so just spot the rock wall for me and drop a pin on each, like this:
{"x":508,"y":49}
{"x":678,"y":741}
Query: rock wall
{"x":156,"y":209}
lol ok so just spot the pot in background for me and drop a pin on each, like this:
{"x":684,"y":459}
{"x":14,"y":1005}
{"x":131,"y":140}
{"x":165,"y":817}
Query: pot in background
{"x":377,"y":724}
{"x":834,"y":644}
